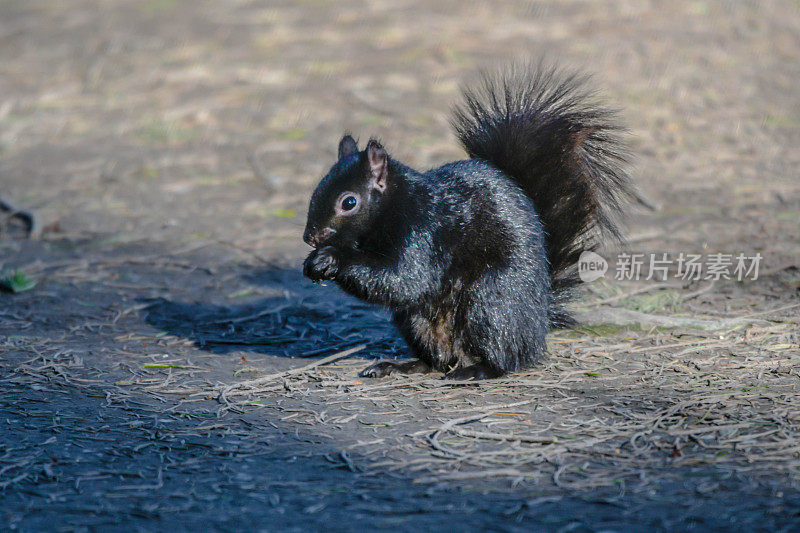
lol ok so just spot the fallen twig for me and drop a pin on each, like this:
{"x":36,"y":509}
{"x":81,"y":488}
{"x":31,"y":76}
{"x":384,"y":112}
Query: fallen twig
{"x":242,"y":387}
{"x":30,"y":220}
{"x":628,"y":317}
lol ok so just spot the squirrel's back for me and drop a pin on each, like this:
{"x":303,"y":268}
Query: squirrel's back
{"x":492,"y":220}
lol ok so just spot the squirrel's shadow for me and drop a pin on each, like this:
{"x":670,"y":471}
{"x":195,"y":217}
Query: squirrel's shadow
{"x":299,"y":320}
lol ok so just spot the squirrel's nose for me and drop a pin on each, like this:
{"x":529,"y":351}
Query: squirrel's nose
{"x":316,"y":238}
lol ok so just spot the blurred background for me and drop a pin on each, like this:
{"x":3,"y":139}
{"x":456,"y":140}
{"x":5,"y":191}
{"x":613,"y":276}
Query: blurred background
{"x":168,"y":149}
{"x":189,"y":120}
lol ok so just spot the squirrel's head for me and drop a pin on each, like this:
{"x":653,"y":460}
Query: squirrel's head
{"x":347,"y":202}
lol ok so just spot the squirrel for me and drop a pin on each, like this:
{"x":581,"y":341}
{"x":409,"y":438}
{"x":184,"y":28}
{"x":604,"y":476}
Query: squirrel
{"x":476,"y":259}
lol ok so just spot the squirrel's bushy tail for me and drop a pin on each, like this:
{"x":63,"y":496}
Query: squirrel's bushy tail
{"x":544,"y":129}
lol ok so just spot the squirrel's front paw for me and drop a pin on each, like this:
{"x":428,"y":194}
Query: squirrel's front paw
{"x":321,"y":264}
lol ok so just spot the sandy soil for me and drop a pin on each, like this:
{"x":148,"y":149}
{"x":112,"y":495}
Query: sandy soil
{"x":168,"y":149}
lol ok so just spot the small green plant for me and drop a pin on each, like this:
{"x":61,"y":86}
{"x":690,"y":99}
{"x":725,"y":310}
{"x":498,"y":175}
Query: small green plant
{"x":16,"y":281}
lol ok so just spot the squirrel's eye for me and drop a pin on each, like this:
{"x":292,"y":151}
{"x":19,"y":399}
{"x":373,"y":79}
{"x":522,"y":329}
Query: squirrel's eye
{"x":349,"y":202}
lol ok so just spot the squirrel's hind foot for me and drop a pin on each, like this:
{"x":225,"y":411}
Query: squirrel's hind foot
{"x":384,"y":368}
{"x":472,"y":372}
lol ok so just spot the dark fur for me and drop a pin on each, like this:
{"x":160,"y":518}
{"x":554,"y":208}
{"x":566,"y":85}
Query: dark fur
{"x":476,"y":258}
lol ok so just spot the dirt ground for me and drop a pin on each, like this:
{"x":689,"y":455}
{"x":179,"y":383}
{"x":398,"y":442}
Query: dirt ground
{"x":168,"y":149}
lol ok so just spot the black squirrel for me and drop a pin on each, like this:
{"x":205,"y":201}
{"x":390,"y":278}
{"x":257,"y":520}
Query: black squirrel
{"x":476,"y":259}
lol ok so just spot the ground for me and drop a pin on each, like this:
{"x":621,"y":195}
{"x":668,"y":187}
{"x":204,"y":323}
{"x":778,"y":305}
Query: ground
{"x":168,"y":149}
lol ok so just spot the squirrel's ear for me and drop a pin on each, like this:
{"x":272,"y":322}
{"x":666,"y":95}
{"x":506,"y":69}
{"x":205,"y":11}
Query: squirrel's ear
{"x":378,"y":161}
{"x":347,"y":146}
